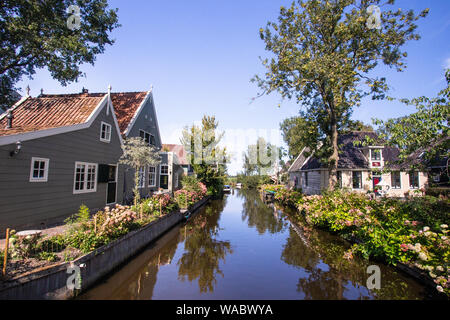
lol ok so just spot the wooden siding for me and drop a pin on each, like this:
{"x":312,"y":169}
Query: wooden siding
{"x":25,"y":204}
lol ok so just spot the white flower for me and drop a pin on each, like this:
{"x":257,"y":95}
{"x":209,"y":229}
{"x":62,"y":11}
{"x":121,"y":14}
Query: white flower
{"x":425,"y":229}
{"x":444,"y":226}
{"x":423,"y":256}
{"x":444,"y":238}
{"x":439,"y":268}
{"x":440,"y":289}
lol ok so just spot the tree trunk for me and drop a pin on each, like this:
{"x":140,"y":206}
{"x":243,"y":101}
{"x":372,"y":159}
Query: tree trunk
{"x":334,"y":158}
{"x":136,"y":187}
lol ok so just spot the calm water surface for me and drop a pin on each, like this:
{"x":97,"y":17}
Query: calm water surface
{"x":241,"y":248}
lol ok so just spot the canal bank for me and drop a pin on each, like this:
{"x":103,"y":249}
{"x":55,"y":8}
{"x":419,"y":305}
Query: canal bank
{"x":51,"y":282}
{"x":241,"y":248}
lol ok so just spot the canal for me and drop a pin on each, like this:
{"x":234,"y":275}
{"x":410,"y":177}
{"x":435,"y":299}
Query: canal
{"x":242,"y":248}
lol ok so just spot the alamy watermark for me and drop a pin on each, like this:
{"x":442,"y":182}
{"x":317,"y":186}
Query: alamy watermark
{"x":374,"y":280}
{"x":374,"y":20}
{"x":74,"y":19}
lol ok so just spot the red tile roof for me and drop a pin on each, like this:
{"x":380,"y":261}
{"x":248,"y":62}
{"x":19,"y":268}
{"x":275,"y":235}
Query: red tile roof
{"x":178,"y":150}
{"x":125,"y":106}
{"x":50,"y":111}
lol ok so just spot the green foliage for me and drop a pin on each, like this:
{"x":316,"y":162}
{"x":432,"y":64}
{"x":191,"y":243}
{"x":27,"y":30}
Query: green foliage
{"x":253,"y":182}
{"x":438,"y":192}
{"x":260,"y":158}
{"x":48,"y":256}
{"x":35,"y":35}
{"x":412,"y":232}
{"x":138,"y":154}
{"x":427,"y":130}
{"x":322,"y":54}
{"x":206,"y":157}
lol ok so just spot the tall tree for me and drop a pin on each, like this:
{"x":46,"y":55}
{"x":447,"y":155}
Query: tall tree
{"x":35,"y":34}
{"x":204,"y":154}
{"x":260,"y":158}
{"x":323,"y":52}
{"x":426,"y":130}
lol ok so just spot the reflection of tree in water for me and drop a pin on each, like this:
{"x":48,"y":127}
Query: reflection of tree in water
{"x":142,"y":287}
{"x":341,"y":277}
{"x":202,"y":251}
{"x":259,"y":214}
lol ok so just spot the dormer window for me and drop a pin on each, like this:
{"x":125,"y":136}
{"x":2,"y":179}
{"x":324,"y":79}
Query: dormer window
{"x":105,"y":132}
{"x":147,"y":137}
{"x":375,"y":154}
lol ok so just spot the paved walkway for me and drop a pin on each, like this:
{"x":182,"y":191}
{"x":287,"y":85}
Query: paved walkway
{"x":49,"y":232}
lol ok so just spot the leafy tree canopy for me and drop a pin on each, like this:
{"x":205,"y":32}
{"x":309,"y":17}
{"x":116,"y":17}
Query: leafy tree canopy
{"x":322,"y":53}
{"x":34,"y":34}
{"x":425,"y":131}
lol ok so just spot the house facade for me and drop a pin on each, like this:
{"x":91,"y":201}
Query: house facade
{"x":360,"y":169}
{"x":181,"y":154}
{"x":56,"y":153}
{"x":136,"y":116}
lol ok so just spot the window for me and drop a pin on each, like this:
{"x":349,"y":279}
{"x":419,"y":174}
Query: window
{"x":339,"y":179}
{"x":39,"y":170}
{"x":375,"y":154}
{"x":164,"y":169}
{"x":141,"y":182}
{"x":306,"y":179}
{"x":105,"y":132}
{"x":357,"y":179}
{"x":152,"y":176}
{"x":414,"y":180}
{"x":176,"y":181}
{"x":396,"y":182}
{"x":147,"y":137}
{"x":85,"y":177}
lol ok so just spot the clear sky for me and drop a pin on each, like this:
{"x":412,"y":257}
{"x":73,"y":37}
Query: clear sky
{"x":200,"y":55}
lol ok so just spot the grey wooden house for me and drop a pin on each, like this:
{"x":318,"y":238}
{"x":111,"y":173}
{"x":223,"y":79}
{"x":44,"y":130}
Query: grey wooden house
{"x":136,"y":115}
{"x":56,"y":153}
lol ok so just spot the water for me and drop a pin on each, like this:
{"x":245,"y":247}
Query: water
{"x":241,"y":248}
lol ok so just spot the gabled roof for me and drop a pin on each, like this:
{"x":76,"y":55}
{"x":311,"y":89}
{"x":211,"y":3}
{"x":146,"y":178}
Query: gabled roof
{"x":298,"y":163}
{"x":179,"y":151}
{"x":126,"y":106}
{"x":351,"y":156}
{"x":48,"y":112}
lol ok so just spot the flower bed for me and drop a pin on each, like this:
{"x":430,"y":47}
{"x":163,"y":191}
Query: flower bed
{"x":412,"y":232}
{"x":86,"y":233}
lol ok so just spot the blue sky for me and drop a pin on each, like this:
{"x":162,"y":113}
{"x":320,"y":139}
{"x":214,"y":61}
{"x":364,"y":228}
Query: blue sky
{"x":200,"y":56}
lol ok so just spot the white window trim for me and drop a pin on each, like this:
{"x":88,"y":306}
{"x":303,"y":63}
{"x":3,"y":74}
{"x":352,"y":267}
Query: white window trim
{"x":85,"y":178}
{"x":142,"y":182}
{"x":154,"y":180}
{"x":116,"y":182}
{"x":418,"y":181}
{"x":372,"y":149}
{"x":47,"y":164}
{"x":400,"y":175}
{"x":101,"y":131}
{"x":362,"y":181}
{"x":160,"y":169}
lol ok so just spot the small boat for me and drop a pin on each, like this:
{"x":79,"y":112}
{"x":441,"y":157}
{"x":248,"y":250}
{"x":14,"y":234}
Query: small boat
{"x":226,"y":188}
{"x":238,"y":185}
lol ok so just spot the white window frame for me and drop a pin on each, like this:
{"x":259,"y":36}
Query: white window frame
{"x":160,"y":169}
{"x":47,"y":164}
{"x":400,"y":176}
{"x":154,"y":177}
{"x":176,"y":180}
{"x":149,"y":137}
{"x":107,"y":139}
{"x":141,"y":182}
{"x":361,"y":180}
{"x":371,"y":154}
{"x":84,"y":190}
{"x":418,"y":180}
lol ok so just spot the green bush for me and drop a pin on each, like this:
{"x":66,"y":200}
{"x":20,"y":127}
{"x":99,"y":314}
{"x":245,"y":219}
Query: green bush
{"x":413,"y":231}
{"x":438,"y":192}
{"x":253,"y":182}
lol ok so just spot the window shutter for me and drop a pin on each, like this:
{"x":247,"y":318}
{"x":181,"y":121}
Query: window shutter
{"x":103,"y":173}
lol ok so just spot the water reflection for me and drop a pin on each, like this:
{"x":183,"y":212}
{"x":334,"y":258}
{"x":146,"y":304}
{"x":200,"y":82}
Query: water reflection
{"x":202,"y":250}
{"x":266,"y":257}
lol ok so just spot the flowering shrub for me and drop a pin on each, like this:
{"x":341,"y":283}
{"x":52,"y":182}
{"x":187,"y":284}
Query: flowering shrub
{"x":388,"y":229}
{"x":118,"y":222}
{"x":168,"y":204}
{"x":187,"y":196}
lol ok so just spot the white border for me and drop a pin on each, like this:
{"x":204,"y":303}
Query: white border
{"x":85,"y":178}
{"x":47,"y":164}
{"x":154,"y":185}
{"x":101,"y":131}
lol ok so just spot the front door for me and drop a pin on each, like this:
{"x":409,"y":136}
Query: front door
{"x":375,"y":181}
{"x":111,"y":190}
{"x":164,"y":177}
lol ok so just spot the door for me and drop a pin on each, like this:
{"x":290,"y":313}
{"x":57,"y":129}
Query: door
{"x":164,"y":177}
{"x":375,"y":181}
{"x":111,"y":189}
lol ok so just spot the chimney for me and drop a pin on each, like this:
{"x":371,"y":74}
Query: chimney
{"x":85,"y":91}
{"x":9,"y":120}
